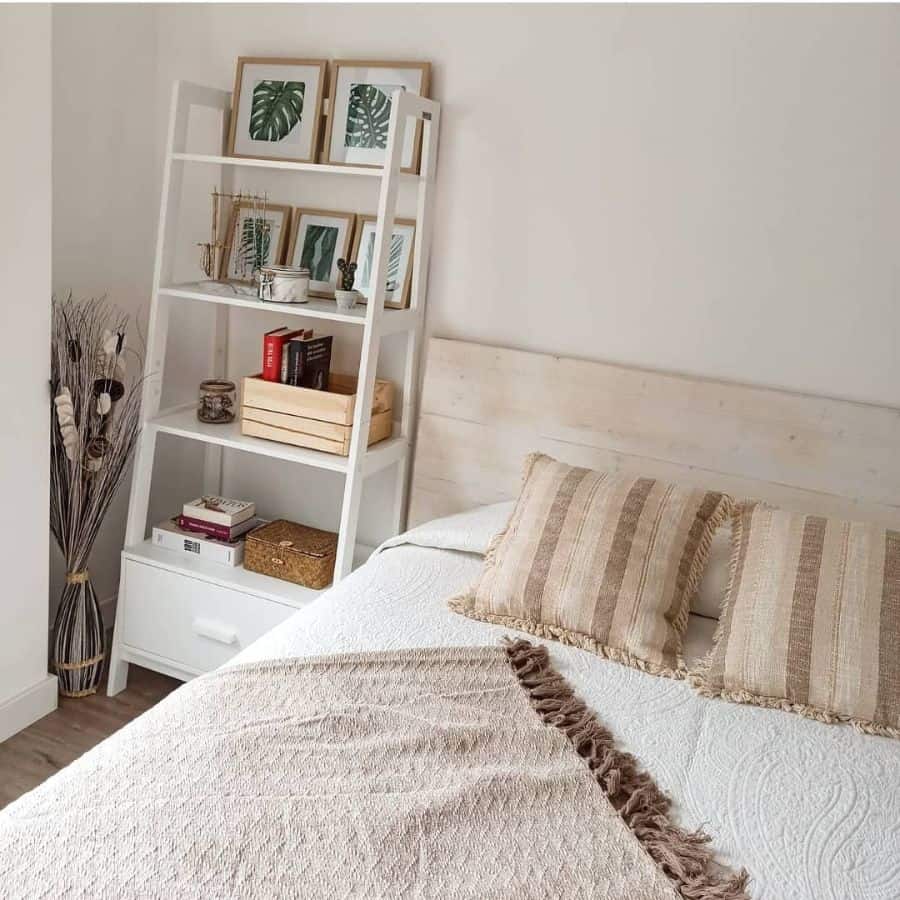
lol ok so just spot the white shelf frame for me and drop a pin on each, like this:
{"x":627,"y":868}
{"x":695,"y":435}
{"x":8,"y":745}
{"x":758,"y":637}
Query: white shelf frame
{"x":374,"y":320}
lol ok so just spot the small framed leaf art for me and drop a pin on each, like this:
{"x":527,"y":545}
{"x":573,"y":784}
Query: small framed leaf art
{"x":277,"y":108}
{"x":319,"y":238}
{"x":399,"y":264}
{"x":256,"y":237}
{"x":361,"y":96}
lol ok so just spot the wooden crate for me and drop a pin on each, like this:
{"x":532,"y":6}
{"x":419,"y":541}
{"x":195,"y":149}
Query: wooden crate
{"x":319,"y":420}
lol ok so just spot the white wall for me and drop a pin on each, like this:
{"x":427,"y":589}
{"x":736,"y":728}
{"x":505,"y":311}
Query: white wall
{"x":711,"y":190}
{"x":26,"y":690}
{"x":106,"y":175}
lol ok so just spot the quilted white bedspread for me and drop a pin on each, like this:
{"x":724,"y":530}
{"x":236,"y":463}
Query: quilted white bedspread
{"x":811,"y":810}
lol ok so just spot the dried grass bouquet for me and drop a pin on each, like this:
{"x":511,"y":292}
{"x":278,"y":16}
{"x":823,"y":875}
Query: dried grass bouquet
{"x":95,"y":428}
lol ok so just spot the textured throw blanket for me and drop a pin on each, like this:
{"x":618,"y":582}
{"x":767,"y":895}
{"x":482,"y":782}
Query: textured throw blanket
{"x":439,"y":773}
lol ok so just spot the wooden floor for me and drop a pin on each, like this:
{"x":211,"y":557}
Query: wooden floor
{"x":33,"y":755}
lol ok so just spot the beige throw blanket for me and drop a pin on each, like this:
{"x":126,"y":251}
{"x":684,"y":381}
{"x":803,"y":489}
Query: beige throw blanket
{"x":398,"y":774}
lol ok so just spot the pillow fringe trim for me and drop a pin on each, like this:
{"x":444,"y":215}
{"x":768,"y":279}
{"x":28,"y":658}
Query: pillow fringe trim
{"x":683,"y":857}
{"x":704,"y":666}
{"x":723,"y":511}
{"x":490,"y":554}
{"x":464,"y":604}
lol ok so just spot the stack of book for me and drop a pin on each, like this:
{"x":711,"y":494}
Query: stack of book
{"x":211,"y":528}
{"x":297,"y":357}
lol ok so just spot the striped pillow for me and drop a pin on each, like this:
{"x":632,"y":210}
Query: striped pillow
{"x":601,"y":561}
{"x":811,"y":623}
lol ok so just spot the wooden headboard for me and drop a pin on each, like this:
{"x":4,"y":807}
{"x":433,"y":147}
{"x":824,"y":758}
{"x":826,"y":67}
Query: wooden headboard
{"x":484,"y":408}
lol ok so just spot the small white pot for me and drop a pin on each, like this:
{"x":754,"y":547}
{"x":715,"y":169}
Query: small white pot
{"x":346,"y":299}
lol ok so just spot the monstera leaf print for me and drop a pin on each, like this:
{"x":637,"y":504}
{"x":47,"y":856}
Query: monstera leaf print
{"x":253,"y":250}
{"x":367,"y":259}
{"x":394,"y":258}
{"x":277,"y":108}
{"x":369,"y":114}
{"x":318,"y":251}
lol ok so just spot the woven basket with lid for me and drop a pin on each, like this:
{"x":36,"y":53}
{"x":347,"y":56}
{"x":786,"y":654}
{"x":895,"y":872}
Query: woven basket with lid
{"x":292,"y":552}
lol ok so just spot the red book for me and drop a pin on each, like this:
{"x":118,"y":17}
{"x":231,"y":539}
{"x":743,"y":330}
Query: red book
{"x":273,"y":346}
{"x":219,"y":532}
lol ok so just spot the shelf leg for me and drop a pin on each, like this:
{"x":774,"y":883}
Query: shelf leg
{"x":371,"y":342}
{"x":117,"y":677}
{"x":421,"y":257}
{"x":135,"y":530}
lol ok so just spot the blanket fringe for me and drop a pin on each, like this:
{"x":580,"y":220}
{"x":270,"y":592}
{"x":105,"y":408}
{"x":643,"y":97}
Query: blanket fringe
{"x":683,"y":856}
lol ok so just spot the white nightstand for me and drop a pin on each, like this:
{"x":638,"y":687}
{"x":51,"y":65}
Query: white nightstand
{"x":185,"y":616}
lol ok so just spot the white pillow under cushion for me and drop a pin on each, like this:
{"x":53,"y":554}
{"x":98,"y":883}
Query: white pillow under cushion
{"x":470,"y":532}
{"x":714,"y":583}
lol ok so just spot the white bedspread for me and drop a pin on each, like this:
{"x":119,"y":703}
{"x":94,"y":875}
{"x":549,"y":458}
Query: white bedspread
{"x":811,"y":810}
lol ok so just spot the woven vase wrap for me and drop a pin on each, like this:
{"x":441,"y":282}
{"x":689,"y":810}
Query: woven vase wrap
{"x":79,"y":638}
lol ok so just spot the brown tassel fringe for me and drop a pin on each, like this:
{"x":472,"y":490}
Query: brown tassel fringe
{"x":683,"y":856}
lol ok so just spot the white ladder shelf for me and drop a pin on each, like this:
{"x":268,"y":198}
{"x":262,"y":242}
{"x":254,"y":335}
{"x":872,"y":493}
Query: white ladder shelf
{"x":374,"y":320}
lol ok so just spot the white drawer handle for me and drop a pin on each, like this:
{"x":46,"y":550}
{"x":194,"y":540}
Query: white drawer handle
{"x":215,"y":631}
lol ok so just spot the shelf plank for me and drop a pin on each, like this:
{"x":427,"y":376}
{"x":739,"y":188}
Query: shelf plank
{"x":236,"y":578}
{"x":317,"y":168}
{"x":183,"y":422}
{"x":394,"y":320}
{"x":213,"y":292}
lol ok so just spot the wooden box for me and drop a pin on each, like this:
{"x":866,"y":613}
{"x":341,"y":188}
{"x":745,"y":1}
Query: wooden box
{"x":319,"y":420}
{"x":292,"y":552}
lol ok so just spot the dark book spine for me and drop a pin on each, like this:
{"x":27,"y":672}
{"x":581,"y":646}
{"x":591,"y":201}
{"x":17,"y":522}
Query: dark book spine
{"x":316,"y":363}
{"x":294,"y":366}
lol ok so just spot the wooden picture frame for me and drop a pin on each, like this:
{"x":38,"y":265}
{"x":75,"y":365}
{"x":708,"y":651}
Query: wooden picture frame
{"x":338,"y":104}
{"x":277,"y":252}
{"x":309,"y":132}
{"x":398,"y":301}
{"x":321,"y":287}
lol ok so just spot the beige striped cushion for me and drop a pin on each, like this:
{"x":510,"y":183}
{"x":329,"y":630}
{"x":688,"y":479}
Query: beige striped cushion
{"x":605,"y":562}
{"x":811,"y":623}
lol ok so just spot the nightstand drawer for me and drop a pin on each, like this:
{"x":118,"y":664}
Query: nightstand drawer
{"x":194,"y":623}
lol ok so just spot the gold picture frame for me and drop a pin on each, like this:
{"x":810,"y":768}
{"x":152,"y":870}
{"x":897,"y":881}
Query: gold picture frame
{"x":365,"y":225}
{"x":319,"y":287}
{"x":277,"y":252}
{"x":336,"y":151}
{"x":305,"y":138}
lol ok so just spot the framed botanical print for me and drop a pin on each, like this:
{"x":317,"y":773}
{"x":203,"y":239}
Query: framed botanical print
{"x":256,"y":237}
{"x":319,"y":238}
{"x":361,"y":95}
{"x":277,"y":108}
{"x":400,"y":257}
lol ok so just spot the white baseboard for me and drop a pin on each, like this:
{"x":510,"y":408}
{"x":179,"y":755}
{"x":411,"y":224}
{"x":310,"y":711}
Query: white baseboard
{"x":28,"y":706}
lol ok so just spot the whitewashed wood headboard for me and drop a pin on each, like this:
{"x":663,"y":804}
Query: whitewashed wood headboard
{"x":484,"y":408}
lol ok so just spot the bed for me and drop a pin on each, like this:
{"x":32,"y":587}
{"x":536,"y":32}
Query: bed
{"x":812,"y":811}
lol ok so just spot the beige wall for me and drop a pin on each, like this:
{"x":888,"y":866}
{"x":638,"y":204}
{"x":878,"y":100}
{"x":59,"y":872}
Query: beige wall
{"x":711,"y":190}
